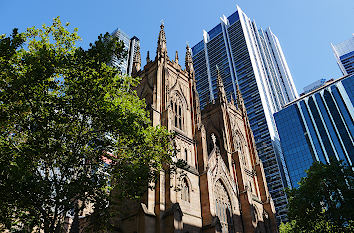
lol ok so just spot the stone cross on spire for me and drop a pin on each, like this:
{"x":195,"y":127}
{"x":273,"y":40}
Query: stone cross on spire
{"x":220,"y":85}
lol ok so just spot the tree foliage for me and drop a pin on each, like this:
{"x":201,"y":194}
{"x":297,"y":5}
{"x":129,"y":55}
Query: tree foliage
{"x":72,"y":128}
{"x":324,"y":200}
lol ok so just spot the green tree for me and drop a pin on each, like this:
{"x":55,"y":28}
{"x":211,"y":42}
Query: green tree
{"x":71,"y":129}
{"x":324,"y":200}
{"x":287,"y":227}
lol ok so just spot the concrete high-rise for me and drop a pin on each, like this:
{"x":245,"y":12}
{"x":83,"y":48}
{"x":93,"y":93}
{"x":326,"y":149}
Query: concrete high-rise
{"x":131,"y":45}
{"x":344,"y":53}
{"x":254,"y":59}
{"x":317,"y":126}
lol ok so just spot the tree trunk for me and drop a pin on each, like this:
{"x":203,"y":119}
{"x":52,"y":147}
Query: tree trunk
{"x":75,"y":226}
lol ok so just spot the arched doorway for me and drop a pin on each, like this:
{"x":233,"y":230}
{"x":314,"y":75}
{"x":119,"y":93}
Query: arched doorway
{"x":223,"y":207}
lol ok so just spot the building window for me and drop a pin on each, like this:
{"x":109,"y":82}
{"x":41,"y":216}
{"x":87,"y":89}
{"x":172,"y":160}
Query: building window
{"x":223,"y":207}
{"x":185,"y":191}
{"x":177,"y":114}
{"x":239,"y":144}
{"x":186,"y":155}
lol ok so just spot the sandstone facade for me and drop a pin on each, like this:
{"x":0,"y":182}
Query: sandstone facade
{"x":223,"y":188}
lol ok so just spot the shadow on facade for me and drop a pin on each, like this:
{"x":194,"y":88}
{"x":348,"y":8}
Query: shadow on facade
{"x":171,"y":220}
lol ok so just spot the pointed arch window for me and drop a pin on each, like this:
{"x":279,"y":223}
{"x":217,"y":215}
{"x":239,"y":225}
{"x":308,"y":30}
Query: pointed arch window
{"x":239,"y":144}
{"x":238,"y":141}
{"x":177,"y":117}
{"x":185,"y":192}
{"x":223,"y":207}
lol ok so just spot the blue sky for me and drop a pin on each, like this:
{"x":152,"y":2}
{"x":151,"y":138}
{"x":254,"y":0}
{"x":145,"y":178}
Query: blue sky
{"x":305,"y":28}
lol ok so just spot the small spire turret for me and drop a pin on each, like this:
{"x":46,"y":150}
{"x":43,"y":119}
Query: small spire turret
{"x":239,"y":100}
{"x":176,"y":57}
{"x":232,"y":99}
{"x":148,"y":57}
{"x":161,"y":42}
{"x":220,"y":85}
{"x":188,"y":61}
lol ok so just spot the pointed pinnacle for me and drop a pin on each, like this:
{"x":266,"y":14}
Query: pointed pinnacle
{"x":148,"y":57}
{"x":162,"y":33}
{"x":238,"y":91}
{"x":220,"y":85}
{"x":188,"y":60}
{"x":232,"y":100}
{"x":219,"y":80}
{"x":188,"y":55}
{"x":161,"y":42}
{"x":240,"y":102}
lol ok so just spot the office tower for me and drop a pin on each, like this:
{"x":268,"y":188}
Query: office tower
{"x":253,"y":59}
{"x":131,"y":45}
{"x":122,"y":36}
{"x":344,"y":53}
{"x":316,"y":126}
{"x":278,"y":76}
{"x":314,"y":85}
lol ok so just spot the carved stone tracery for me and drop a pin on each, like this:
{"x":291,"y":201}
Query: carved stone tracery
{"x":239,"y":143}
{"x":223,"y":207}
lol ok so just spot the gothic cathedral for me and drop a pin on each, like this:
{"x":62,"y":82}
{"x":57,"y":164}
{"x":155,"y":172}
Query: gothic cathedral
{"x":224,"y":187}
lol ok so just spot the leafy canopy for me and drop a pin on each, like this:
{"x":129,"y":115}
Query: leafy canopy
{"x":324,"y":200}
{"x":71,"y":129}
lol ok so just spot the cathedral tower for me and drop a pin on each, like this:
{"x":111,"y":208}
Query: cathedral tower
{"x":223,"y":188}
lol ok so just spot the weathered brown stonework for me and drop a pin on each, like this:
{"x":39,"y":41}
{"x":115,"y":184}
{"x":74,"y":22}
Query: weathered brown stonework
{"x":224,"y":188}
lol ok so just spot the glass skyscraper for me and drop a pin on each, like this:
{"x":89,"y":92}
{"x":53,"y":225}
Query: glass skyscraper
{"x":344,"y":53}
{"x":316,"y":126}
{"x":254,"y":59}
{"x":131,"y":45}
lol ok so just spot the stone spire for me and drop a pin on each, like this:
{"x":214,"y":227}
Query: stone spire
{"x":161,"y":43}
{"x":148,"y":57}
{"x":137,"y":60}
{"x":221,"y":89}
{"x":207,"y":98}
{"x":176,"y":57}
{"x":239,"y":100}
{"x":188,"y":61}
{"x":232,"y":99}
